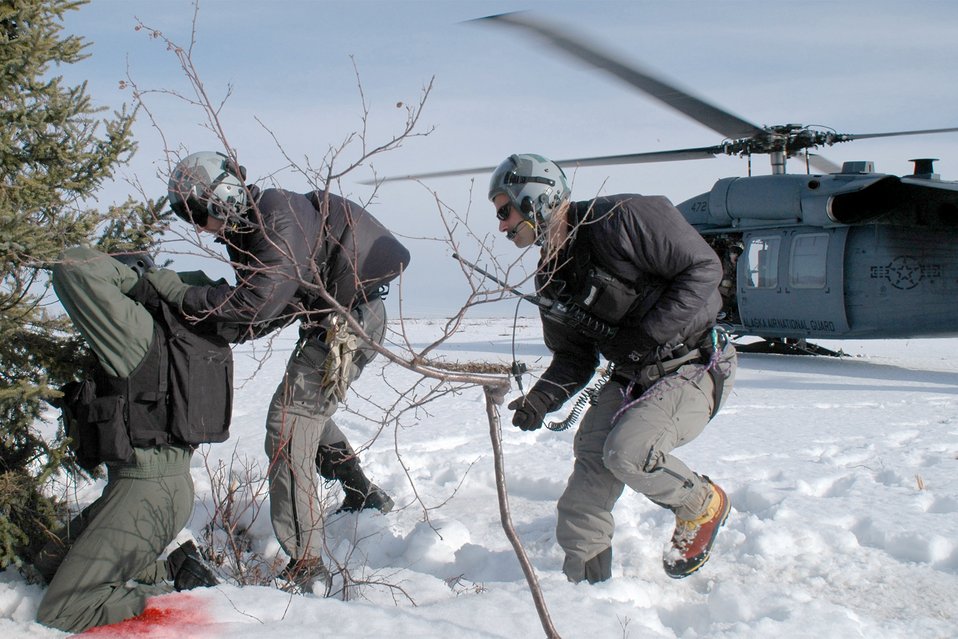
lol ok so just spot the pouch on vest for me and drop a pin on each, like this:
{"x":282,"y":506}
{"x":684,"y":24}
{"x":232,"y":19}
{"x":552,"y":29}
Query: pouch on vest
{"x":605,"y":297}
{"x":107,"y":422}
{"x":197,"y":379}
{"x":95,"y":425}
{"x":75,"y":407}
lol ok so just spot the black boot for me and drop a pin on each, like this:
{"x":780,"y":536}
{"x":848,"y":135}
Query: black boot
{"x":595,"y":570}
{"x":187,"y":570}
{"x":307,"y":573}
{"x":339,"y":462}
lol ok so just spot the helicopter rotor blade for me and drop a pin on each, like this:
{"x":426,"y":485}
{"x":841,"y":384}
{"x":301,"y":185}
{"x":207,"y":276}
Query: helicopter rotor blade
{"x":431,"y":174}
{"x":701,"y":153}
{"x":847,"y":137}
{"x":742,"y":137}
{"x":676,"y":155}
{"x":699,"y":110}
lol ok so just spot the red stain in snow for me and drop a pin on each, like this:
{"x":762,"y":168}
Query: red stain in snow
{"x":174,"y":616}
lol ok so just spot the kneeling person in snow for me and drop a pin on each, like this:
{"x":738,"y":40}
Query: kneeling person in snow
{"x":628,"y":278}
{"x":132,"y":414}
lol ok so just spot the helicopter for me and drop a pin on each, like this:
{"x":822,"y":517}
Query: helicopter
{"x":834,"y":253}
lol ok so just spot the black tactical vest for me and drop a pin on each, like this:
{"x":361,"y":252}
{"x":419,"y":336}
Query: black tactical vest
{"x":181,"y":393}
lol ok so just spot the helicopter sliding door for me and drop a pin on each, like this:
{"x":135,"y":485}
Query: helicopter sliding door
{"x":790,"y":283}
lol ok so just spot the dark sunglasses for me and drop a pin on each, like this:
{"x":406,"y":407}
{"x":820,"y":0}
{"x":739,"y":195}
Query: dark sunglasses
{"x":503,"y":212}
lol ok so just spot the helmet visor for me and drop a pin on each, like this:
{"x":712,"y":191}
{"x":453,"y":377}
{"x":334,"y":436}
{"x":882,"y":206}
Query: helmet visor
{"x":191,"y":211}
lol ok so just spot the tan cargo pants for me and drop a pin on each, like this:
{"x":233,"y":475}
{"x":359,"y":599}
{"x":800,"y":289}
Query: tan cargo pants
{"x":636,"y":452}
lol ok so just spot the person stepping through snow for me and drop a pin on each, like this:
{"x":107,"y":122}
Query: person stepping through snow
{"x":288,"y":249}
{"x":629,"y":279}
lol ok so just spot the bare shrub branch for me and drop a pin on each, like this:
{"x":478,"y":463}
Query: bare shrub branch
{"x":239,"y":487}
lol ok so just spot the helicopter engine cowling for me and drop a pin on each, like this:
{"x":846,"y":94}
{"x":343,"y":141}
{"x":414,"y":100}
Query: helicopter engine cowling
{"x":752,"y":201}
{"x":777,"y":200}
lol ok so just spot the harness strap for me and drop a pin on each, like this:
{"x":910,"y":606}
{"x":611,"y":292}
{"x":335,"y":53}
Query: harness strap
{"x":717,"y":339}
{"x":707,"y":354}
{"x":647,"y":375}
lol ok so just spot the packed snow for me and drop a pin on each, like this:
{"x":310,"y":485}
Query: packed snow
{"x":841,"y":473}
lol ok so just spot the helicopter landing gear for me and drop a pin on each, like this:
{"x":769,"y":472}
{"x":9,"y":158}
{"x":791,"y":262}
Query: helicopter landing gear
{"x":786,"y":346}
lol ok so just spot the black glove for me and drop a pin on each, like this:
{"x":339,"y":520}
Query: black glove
{"x":530,"y":409}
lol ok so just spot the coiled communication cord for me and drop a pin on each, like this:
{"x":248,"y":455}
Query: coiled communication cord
{"x":589,"y":396}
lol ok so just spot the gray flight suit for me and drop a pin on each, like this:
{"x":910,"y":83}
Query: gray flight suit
{"x":146,"y":501}
{"x":299,"y":421}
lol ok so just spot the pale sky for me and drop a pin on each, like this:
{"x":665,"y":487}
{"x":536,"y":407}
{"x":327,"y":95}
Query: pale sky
{"x":286,"y":73}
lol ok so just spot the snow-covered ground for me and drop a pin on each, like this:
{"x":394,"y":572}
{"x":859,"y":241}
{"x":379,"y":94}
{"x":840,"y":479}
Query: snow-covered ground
{"x":841,"y":472}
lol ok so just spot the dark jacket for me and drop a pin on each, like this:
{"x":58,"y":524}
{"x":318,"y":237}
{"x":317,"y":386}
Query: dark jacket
{"x":289,"y":244}
{"x":645,"y":243}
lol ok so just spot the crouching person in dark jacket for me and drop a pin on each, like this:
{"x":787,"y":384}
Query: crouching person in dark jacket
{"x":133,"y":414}
{"x":297,"y":257}
{"x":625,"y":277}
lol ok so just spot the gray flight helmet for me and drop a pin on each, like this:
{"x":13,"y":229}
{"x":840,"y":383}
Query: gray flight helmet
{"x":207,"y":184}
{"x":535,"y":185}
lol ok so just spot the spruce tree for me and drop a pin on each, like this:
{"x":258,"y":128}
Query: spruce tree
{"x":55,"y":152}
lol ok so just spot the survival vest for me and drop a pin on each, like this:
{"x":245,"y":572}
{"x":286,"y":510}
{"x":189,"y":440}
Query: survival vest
{"x":181,"y":393}
{"x":587,"y":298}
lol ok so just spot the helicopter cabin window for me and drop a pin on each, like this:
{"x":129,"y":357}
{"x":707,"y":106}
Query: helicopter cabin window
{"x":807,"y":268}
{"x":762,"y":256}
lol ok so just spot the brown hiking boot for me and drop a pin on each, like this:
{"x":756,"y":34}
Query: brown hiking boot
{"x":692,"y":540}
